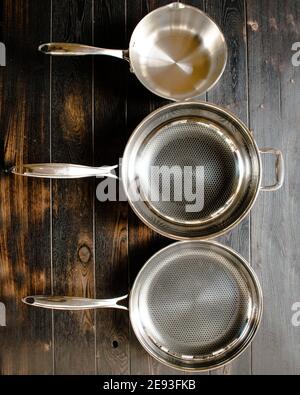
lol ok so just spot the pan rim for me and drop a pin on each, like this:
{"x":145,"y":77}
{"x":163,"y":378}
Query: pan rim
{"x":252,"y":331}
{"x":209,"y":106}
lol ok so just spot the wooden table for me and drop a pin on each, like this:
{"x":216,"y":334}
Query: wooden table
{"x":56,"y":237}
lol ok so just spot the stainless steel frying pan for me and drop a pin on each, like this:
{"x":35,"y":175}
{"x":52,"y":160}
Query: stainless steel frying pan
{"x":176,"y":51}
{"x":193,"y":306}
{"x":193,"y":135}
{"x":180,"y":136}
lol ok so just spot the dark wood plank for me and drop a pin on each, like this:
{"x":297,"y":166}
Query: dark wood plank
{"x":72,"y":136}
{"x":111,"y":217}
{"x":25,"y":263}
{"x":274,"y":116}
{"x":231,"y":92}
{"x":143,"y":242}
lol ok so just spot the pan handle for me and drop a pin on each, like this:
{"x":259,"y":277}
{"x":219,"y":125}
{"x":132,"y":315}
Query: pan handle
{"x":74,"y":303}
{"x":279,"y":169}
{"x":63,"y":170}
{"x":70,"y":49}
{"x":176,"y":5}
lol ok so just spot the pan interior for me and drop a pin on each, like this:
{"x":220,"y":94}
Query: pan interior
{"x":195,"y":304}
{"x":177,"y":52}
{"x":192,"y":134}
{"x":189,"y":171}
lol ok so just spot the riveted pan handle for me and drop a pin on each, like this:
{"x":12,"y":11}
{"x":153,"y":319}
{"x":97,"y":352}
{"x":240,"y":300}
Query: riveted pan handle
{"x":74,"y":303}
{"x":63,"y":170}
{"x":279,"y":169}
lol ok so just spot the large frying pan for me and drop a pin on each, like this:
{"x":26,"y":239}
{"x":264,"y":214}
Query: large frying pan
{"x":176,"y":51}
{"x":194,"y":305}
{"x":176,"y":137}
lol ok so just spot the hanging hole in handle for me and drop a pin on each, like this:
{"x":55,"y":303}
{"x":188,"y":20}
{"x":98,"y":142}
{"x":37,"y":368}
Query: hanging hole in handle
{"x":115,"y":344}
{"x":279,"y":170}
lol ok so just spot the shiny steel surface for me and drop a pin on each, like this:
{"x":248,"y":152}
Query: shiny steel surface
{"x":194,"y":305}
{"x":63,"y":170}
{"x":73,"y":303}
{"x":70,"y":49}
{"x":176,"y":51}
{"x":279,"y":169}
{"x":187,"y":143}
{"x":195,"y":134}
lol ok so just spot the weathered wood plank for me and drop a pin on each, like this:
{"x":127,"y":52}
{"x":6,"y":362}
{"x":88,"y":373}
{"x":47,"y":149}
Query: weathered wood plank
{"x":274,"y":116}
{"x":231,"y":92}
{"x":143,"y":242}
{"x":73,"y":244}
{"x":25,"y":264}
{"x":111,"y":217}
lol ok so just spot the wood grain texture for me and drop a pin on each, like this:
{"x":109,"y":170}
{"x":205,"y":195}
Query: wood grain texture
{"x":72,"y":224}
{"x":143,"y":242}
{"x":111,"y":230}
{"x":231,"y":92}
{"x":274,"y":116}
{"x":25,"y":343}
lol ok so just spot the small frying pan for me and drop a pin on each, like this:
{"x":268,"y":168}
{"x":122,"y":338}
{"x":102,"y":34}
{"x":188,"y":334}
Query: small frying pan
{"x":195,"y":305}
{"x":176,"y":51}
